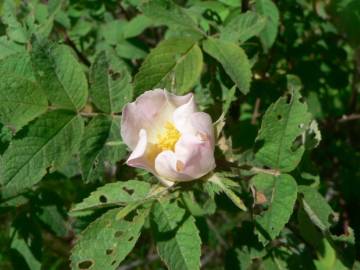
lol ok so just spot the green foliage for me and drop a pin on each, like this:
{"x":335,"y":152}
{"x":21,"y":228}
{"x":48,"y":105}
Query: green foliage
{"x":94,"y":151}
{"x":22,"y":100}
{"x":173,"y":64}
{"x":48,"y":144}
{"x":118,"y":193}
{"x":283,"y":124}
{"x":110,"y":83}
{"x":243,"y":26}
{"x":107,"y":241}
{"x":60,"y":75}
{"x":279,"y":194}
{"x":19,"y":64}
{"x":234,"y":61}
{"x":284,"y":193}
{"x":168,"y":13}
{"x":177,"y":237}
{"x":316,"y":207}
{"x":268,"y":9}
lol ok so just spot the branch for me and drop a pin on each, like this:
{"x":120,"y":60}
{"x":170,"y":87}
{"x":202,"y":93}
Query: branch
{"x":349,"y":117}
{"x":134,"y":264}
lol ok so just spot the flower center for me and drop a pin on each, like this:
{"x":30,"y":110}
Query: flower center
{"x":167,"y":139}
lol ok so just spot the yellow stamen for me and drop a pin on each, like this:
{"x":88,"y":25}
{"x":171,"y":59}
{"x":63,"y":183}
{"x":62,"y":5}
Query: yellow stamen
{"x":168,"y":138}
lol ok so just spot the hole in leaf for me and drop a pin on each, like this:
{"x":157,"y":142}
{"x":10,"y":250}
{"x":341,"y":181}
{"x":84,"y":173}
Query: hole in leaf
{"x":131,"y":238}
{"x":128,"y":190}
{"x":102,"y":199}
{"x":118,"y":234}
{"x":114,"y":75}
{"x":85,"y":264}
{"x":288,"y":98}
{"x":297,"y":143}
{"x":109,"y":251}
{"x":130,"y":216}
{"x":113,"y":262}
{"x":302,"y":100}
{"x":279,"y":117}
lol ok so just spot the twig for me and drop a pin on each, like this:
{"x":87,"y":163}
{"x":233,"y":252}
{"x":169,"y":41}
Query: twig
{"x":217,"y":235}
{"x":206,"y":259}
{"x":349,"y":117}
{"x":89,"y":114}
{"x":266,"y":171}
{"x":149,"y":259}
{"x":255,"y":114}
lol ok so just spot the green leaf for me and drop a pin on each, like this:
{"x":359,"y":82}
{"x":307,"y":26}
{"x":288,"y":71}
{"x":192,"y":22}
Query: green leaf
{"x":233,"y":59}
{"x":118,"y":193}
{"x":107,"y":241}
{"x":177,"y":237}
{"x":127,"y":50}
{"x":220,"y":123}
{"x":96,"y":134}
{"x":8,"y":47}
{"x":280,"y":193}
{"x":50,"y":142}
{"x":268,"y":9}
{"x":19,"y":64}
{"x":174,"y":64}
{"x":318,"y":210}
{"x":21,"y":246}
{"x":243,"y":27}
{"x":168,"y":13}
{"x":60,"y":75}
{"x":51,"y":216}
{"x":345,"y":15}
{"x":110,"y":87}
{"x":93,"y":150}
{"x":21,"y":100}
{"x":284,"y":121}
{"x":225,"y":186}
{"x":136,"y":26}
{"x":15,"y":31}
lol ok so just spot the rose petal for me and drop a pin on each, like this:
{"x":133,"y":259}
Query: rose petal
{"x":150,"y":111}
{"x":141,"y":114}
{"x":182,"y":114}
{"x":202,"y":125}
{"x":178,"y":101}
{"x":138,"y":156}
{"x":192,"y":159}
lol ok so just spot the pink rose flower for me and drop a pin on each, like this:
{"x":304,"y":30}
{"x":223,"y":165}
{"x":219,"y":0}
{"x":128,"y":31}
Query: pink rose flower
{"x":168,"y":136}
